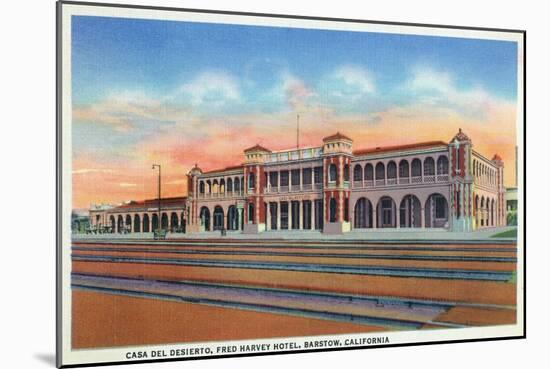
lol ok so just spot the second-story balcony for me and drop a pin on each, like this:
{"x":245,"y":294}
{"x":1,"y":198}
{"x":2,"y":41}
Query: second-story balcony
{"x":397,"y":181}
{"x":293,"y":188}
{"x":220,"y":195}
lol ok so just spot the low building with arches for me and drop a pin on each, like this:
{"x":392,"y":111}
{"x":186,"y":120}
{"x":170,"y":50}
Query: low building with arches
{"x":332,"y":188}
{"x":140,"y":216}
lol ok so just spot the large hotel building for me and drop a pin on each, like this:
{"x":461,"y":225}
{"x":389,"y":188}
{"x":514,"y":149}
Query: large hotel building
{"x":332,"y":189}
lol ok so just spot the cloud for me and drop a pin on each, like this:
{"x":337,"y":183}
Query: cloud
{"x":92,"y":170}
{"x":427,"y":79}
{"x":173,"y":130}
{"x":123,"y":111}
{"x":297,"y":94}
{"x":349,"y":88}
{"x":439,"y":91}
{"x":355,"y":82}
{"x":209,"y":89}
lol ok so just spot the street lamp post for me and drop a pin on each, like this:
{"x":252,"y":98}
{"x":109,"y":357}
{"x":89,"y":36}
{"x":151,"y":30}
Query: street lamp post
{"x":159,"y":221}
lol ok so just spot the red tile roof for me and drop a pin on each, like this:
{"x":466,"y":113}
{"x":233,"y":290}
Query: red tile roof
{"x":151,"y":202}
{"x":497,"y":158}
{"x":420,"y":145}
{"x":336,"y":136}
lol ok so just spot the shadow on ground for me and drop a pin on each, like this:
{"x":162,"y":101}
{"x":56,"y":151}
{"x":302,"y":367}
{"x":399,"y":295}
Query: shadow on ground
{"x":46,"y":358}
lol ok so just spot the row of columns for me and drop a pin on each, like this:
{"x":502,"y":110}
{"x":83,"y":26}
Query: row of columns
{"x":131,"y":225}
{"x":396,"y":215}
{"x":301,"y":177}
{"x":300,"y":214}
{"x":210,"y":186}
{"x":485,"y":216}
{"x":485,"y":175}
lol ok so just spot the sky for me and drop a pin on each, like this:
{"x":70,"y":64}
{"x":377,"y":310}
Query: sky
{"x":183,"y":93}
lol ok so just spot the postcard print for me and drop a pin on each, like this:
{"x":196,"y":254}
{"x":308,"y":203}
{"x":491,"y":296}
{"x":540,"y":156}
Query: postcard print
{"x":235,"y":184}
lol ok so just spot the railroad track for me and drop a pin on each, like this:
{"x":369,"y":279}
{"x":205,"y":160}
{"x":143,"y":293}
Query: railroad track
{"x":292,"y":246}
{"x":268,"y":241}
{"x":392,"y":313}
{"x":157,"y":250}
{"x":440,"y":273}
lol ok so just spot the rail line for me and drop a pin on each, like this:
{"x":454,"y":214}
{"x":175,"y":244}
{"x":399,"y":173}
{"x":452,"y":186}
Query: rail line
{"x":281,"y":241}
{"x":321,"y":306}
{"x":497,"y":259}
{"x":411,"y":303}
{"x":439,"y":273}
{"x":292,"y":246}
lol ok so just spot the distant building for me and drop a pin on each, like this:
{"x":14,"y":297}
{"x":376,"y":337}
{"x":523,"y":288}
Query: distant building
{"x":511,"y":205}
{"x":80,"y":221}
{"x":139,"y":216}
{"x":333,"y":188}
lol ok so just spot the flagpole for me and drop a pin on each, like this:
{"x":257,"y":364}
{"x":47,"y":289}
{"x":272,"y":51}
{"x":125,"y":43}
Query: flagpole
{"x":297,"y":131}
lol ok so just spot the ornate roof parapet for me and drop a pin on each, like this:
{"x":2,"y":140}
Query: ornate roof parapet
{"x":337,"y":137}
{"x":195,"y":171}
{"x":497,"y":160}
{"x":337,"y":144}
{"x":255,"y":154}
{"x":461,"y":137}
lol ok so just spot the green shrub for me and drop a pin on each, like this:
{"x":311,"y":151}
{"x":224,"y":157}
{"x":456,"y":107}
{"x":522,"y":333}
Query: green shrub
{"x":512,"y":218}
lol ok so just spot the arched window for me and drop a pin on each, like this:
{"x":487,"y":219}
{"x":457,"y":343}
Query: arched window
{"x":164,"y":221}
{"x":229,"y":185}
{"x":146,"y":223}
{"x":137,"y":223}
{"x":392,"y":170}
{"x":443,"y":165}
{"x":174,"y":222}
{"x":410,"y":212}
{"x":346,"y":173}
{"x":357,"y":173}
{"x":346,"y":209}
{"x":237,"y":184}
{"x":369,"y":172}
{"x":403,"y":169}
{"x":218,"y":218}
{"x":155,"y":221}
{"x":385,"y":213}
{"x":113,"y":223}
{"x":250,"y":212}
{"x":201,"y":187}
{"x":416,"y":168}
{"x":436,"y":211}
{"x":429,"y":166}
{"x":128,"y":222}
{"x":380,"y":171}
{"x":332,"y":173}
{"x":332,"y":208}
{"x":205,"y":218}
{"x":362,"y":214}
{"x":120,"y":224}
{"x":232,"y":219}
{"x":251,"y":181}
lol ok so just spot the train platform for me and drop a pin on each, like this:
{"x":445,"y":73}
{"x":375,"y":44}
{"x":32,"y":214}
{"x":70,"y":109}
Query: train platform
{"x":387,"y":235}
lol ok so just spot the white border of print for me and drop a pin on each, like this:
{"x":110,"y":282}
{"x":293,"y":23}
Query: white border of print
{"x":73,"y":357}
